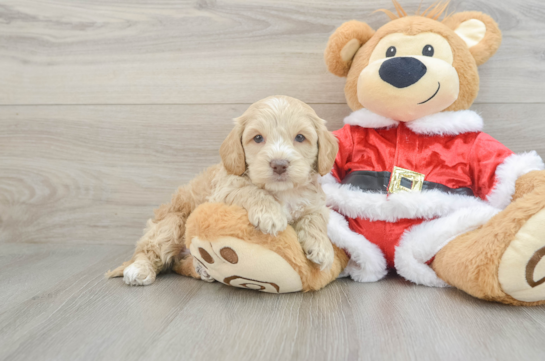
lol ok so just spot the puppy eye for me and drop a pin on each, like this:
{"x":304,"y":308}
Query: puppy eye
{"x":391,"y":51}
{"x":428,"y":50}
{"x":300,"y":138}
{"x":258,"y":138}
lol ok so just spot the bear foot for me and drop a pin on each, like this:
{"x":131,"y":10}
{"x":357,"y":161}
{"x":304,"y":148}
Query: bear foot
{"x":521,"y":271}
{"x":238,"y":263}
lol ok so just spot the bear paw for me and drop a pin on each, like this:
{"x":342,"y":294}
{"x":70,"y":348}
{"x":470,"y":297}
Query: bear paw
{"x":242,"y":264}
{"x":522,"y":267}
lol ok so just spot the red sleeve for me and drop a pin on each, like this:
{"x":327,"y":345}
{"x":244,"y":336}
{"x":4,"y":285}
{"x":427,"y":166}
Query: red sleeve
{"x":486,"y":155}
{"x":344,"y":155}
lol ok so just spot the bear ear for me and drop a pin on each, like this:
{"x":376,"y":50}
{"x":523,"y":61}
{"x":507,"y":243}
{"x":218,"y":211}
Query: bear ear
{"x":343,"y":45}
{"x":479,"y":31}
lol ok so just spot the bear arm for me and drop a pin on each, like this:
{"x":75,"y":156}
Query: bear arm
{"x":485,"y":158}
{"x":344,"y":155}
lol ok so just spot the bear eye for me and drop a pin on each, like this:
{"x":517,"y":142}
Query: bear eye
{"x":300,"y":138}
{"x":391,"y":51}
{"x":428,"y":50}
{"x":258,"y":138}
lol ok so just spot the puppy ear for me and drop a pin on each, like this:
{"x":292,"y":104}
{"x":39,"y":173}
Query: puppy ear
{"x":343,"y":45}
{"x":328,"y":147}
{"x":232,"y":153}
{"x":479,"y":31}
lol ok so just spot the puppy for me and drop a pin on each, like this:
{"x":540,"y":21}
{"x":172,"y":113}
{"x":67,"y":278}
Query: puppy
{"x":271,"y":162}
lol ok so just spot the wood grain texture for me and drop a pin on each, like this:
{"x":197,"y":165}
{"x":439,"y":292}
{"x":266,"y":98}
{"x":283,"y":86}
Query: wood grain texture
{"x":208,"y":51}
{"x":71,"y":312}
{"x":93,"y":174}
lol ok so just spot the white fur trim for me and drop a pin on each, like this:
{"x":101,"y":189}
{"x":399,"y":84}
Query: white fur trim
{"x":419,"y":244}
{"x":367,"y":263}
{"x":354,"y":203}
{"x":367,"y":119}
{"x":444,"y":123}
{"x":507,"y":174}
{"x":448,"y":123}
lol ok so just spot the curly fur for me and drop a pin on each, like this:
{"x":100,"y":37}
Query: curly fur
{"x":245,"y":178}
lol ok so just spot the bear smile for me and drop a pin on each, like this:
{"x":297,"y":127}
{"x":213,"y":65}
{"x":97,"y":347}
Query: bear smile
{"x":430,"y":98}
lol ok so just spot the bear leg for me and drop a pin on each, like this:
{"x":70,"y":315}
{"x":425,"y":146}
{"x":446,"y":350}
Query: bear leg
{"x":504,"y":260}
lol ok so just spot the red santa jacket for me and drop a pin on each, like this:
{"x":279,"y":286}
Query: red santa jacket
{"x":469,"y":177}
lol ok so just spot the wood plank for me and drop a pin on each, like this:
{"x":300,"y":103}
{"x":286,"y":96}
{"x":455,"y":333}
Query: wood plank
{"x":66,"y":310}
{"x":207,"y":51}
{"x":93,"y":174}
{"x":33,"y":271}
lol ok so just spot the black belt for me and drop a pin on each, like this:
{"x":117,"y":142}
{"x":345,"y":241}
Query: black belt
{"x":378,"y":182}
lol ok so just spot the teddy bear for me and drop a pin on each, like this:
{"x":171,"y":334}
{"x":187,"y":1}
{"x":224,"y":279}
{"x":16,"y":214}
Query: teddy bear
{"x":232,"y":251}
{"x":416,"y":185}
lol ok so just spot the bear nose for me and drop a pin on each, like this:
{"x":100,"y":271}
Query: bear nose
{"x":279,"y":166}
{"x":402,"y":72}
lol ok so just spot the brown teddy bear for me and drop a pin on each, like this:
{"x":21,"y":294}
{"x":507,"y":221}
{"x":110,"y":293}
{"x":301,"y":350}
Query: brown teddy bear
{"x":417,"y":185}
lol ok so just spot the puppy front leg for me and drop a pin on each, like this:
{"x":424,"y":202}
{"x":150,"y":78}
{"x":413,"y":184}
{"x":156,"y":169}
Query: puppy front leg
{"x":312,"y":234}
{"x":264,"y":211}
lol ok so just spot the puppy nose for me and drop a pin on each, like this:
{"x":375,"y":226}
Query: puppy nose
{"x":279,"y":166}
{"x":402,"y":72}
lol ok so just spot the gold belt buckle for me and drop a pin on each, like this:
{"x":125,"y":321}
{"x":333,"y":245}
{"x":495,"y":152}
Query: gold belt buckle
{"x":404,"y":180}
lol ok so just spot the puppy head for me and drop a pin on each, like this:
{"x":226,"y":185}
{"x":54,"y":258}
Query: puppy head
{"x":279,"y":142}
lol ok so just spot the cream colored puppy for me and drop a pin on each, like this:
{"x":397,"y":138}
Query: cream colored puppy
{"x":271,"y":162}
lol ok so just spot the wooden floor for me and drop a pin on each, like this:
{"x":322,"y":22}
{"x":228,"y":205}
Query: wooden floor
{"x":107,"y":106}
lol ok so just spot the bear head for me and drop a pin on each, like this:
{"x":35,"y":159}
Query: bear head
{"x":413,"y":66}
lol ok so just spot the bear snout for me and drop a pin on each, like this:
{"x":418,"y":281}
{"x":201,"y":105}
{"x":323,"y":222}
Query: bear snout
{"x":402,"y":72}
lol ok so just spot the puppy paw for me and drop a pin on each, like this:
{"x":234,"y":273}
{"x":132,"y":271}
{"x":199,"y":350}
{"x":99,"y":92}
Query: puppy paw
{"x":319,"y":250}
{"x":139,"y":274}
{"x":201,"y":270}
{"x":269,"y":220}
